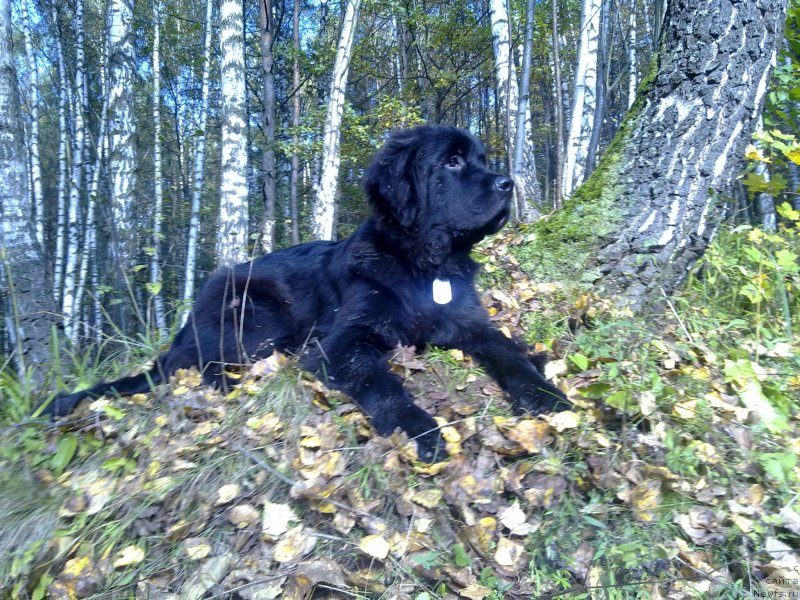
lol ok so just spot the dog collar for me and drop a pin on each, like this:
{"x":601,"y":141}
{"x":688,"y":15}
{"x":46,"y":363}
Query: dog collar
{"x":442,"y":291}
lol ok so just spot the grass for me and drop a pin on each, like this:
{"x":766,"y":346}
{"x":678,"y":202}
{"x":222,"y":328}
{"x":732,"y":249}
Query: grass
{"x":674,"y":474}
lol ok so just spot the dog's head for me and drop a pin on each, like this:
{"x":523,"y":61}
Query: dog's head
{"x":432,"y":184}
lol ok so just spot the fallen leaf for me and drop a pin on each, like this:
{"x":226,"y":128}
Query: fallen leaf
{"x":509,"y":554}
{"x":513,"y":518}
{"x":475,"y":592}
{"x":128,"y":557}
{"x":564,"y":420}
{"x":227,"y":493}
{"x":310,"y":573}
{"x":645,"y":499}
{"x":197,"y":548}
{"x":531,"y":434}
{"x":296,"y":543}
{"x":375,"y":546}
{"x":275,"y":519}
{"x":205,"y":577}
{"x":243,"y":515}
{"x":427,"y":498}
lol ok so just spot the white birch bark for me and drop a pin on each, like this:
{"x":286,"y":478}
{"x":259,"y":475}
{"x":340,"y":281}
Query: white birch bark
{"x":28,"y":310}
{"x":582,"y":119}
{"x":632,"y":76}
{"x":158,"y":192}
{"x":36,"y":167}
{"x":121,"y":130}
{"x":69,"y":308}
{"x":232,"y":228}
{"x":62,"y":191}
{"x":325,"y":189}
{"x":526,"y":190}
{"x":268,"y":174}
{"x":199,"y":171}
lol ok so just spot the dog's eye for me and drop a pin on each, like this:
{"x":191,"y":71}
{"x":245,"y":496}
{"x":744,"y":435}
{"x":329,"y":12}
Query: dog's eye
{"x":454,"y":162}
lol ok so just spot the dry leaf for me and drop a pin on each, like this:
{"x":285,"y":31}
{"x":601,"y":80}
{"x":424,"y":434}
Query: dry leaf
{"x":375,"y":546}
{"x":197,"y":548}
{"x":427,"y":498}
{"x":645,"y":499}
{"x":243,"y":515}
{"x":531,"y":434}
{"x":227,"y":493}
{"x":566,"y":419}
{"x":128,"y":557}
{"x":514,"y":519}
{"x":275,"y":520}
{"x":207,"y":575}
{"x":701,"y":525}
{"x":296,"y":543}
{"x":509,"y":554}
{"x":308,"y":574}
{"x":475,"y":592}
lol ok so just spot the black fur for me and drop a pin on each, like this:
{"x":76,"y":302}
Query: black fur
{"x":345,"y":305}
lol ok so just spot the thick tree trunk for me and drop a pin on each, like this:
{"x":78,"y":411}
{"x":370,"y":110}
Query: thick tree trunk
{"x":325,"y":192}
{"x":28,"y":310}
{"x":648,"y":211}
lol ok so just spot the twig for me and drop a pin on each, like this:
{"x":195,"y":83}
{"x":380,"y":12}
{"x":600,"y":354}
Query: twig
{"x":677,"y":316}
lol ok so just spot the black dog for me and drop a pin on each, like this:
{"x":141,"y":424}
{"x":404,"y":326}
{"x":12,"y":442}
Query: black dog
{"x":405,"y":276}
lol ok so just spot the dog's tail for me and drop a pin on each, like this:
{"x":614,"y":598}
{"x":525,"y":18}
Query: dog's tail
{"x":64,"y":404}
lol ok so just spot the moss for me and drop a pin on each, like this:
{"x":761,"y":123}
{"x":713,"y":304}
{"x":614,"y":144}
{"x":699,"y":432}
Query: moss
{"x":562,"y":247}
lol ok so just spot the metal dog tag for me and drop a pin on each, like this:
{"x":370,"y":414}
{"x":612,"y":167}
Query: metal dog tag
{"x":442,"y":292}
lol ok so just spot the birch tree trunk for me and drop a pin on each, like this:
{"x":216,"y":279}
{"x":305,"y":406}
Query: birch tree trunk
{"x":527,"y":207}
{"x":36,"y":167}
{"x":198,"y":178}
{"x":648,"y":211}
{"x":158,"y":191}
{"x":526,"y":190}
{"x":121,"y":141}
{"x":267,"y":25}
{"x":232,"y":230}
{"x":62,"y":191}
{"x":559,"y":109}
{"x":583,"y":99}
{"x":28,"y":310}
{"x":294,"y":212}
{"x":325,"y":190}
{"x":632,"y":76}
{"x":68,"y":306}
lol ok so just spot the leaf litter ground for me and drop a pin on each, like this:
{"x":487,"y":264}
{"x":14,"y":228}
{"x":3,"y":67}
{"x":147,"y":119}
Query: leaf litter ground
{"x":672,"y":476}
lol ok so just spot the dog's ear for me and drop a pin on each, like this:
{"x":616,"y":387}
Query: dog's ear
{"x":393,"y":183}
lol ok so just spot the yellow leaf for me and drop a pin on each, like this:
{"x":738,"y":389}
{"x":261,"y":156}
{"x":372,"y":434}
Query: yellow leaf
{"x":645,"y":499}
{"x":227,"y":493}
{"x":793,"y":155}
{"x":129,"y":556}
{"x":564,"y":420}
{"x":243,"y":515}
{"x":509,"y":553}
{"x":427,"y":498}
{"x":293,"y":545}
{"x":475,"y":592}
{"x":197,"y":548}
{"x":531,"y":434}
{"x":276,"y":519}
{"x":485,"y":530}
{"x":375,"y":546}
{"x":76,"y":566}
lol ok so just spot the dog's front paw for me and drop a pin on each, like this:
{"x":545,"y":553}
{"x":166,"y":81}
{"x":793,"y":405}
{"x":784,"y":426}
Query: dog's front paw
{"x":419,"y":426}
{"x":539,"y":398}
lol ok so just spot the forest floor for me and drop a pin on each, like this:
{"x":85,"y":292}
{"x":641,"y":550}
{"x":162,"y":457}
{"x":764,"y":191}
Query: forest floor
{"x":674,"y":475}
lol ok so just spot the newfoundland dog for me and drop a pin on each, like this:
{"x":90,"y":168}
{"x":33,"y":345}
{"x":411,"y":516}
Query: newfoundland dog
{"x":404,"y":277}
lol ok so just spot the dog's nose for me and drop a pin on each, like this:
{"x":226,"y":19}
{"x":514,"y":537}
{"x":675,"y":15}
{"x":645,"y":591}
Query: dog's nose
{"x":504,"y":184}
